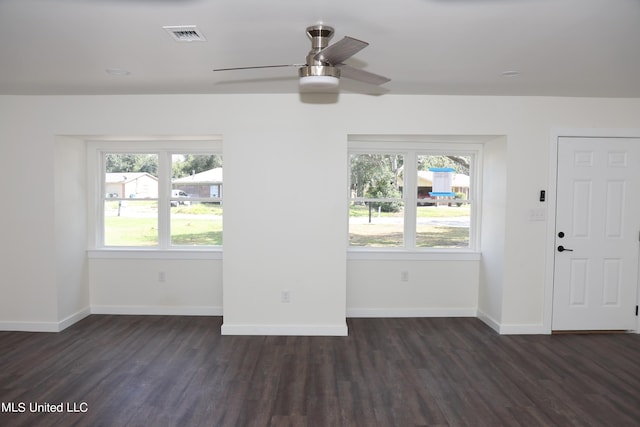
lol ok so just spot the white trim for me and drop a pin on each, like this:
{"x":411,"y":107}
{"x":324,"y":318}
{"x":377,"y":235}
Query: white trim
{"x":21,"y":326}
{"x":512,"y":329}
{"x":186,"y":254}
{"x":489,"y":321}
{"x":285,"y":330}
{"x":547,"y":316}
{"x":187,"y":145}
{"x":409,"y":140}
{"x":402,"y":255}
{"x":524,"y":329}
{"x":411,"y":312}
{"x":73,"y":318}
{"x":155,"y":310}
{"x":547,"y":311}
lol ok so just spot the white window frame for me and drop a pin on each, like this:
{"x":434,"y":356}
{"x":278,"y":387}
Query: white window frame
{"x":96,"y":151}
{"x":410,"y":147}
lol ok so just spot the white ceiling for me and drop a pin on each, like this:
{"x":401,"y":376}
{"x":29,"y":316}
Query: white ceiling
{"x":558,"y":47}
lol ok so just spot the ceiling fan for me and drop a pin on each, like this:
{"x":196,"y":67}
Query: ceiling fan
{"x":325,"y":63}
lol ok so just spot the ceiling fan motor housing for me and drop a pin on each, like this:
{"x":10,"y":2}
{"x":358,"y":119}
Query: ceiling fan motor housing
{"x":319,"y":70}
{"x":320,"y":36}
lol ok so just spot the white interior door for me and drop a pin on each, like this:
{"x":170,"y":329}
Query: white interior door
{"x":597,"y":234}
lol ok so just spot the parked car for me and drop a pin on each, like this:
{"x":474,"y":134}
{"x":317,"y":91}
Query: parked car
{"x":181,"y":195}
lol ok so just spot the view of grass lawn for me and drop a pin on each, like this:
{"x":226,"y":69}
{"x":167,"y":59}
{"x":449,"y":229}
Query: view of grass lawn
{"x":440,"y":237}
{"x":197,"y":224}
{"x":427,"y":236}
{"x":196,"y":231}
{"x":130,"y":231}
{"x":432,"y":229}
{"x":201,"y":224}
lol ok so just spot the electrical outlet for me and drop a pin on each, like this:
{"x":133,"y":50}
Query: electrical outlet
{"x":404,"y":276}
{"x":285,"y":296}
{"x":162,"y":277}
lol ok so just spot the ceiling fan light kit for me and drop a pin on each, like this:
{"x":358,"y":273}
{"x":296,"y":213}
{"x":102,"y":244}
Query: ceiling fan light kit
{"x":324,"y":63}
{"x":319,"y":77}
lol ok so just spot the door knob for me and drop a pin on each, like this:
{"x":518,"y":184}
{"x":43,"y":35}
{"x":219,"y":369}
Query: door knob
{"x":562,"y":249}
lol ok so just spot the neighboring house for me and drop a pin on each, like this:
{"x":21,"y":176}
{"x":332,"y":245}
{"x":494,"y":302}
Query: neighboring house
{"x":203,"y":184}
{"x":459,"y":183}
{"x":138,"y":185}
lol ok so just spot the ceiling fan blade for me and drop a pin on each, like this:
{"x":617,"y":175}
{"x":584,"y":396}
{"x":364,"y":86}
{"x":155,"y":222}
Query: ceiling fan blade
{"x":259,"y":66}
{"x":361,"y":75}
{"x":340,"y":50}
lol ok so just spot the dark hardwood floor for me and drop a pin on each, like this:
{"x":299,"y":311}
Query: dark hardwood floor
{"x":179,"y":371}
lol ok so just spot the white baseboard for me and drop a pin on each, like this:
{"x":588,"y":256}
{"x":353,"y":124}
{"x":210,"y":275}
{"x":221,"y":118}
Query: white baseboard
{"x":512,"y":329}
{"x":289,"y":330}
{"x":411,"y":312}
{"x":489,"y":321}
{"x":20,"y":326}
{"x":296,"y":330}
{"x":153,"y":310}
{"x":76,"y":317}
{"x":524,"y":329}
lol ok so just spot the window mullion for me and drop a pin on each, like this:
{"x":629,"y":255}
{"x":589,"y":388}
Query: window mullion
{"x":164,"y":192}
{"x":475,"y":200}
{"x":99,"y":200}
{"x":409,"y":193}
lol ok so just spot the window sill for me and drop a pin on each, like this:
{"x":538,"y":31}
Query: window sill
{"x":402,"y":255}
{"x":189,"y":254}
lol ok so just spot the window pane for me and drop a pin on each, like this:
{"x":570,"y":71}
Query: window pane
{"x":443,"y":226}
{"x":196,"y":199}
{"x":376,"y":213}
{"x":131,"y":206}
{"x":131,"y":176}
{"x":443,"y":212}
{"x":196,"y":175}
{"x":199,"y":223}
{"x":130,"y":222}
{"x":376,"y":175}
{"x":370,"y":225}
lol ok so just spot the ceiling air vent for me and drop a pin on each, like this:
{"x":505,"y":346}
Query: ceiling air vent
{"x":185,"y":33}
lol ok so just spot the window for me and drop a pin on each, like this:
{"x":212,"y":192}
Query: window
{"x":412,"y":195}
{"x":158,"y":195}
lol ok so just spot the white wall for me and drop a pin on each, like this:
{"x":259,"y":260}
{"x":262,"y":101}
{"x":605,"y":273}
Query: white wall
{"x":128,"y":285}
{"x":434,"y":288}
{"x":493,"y":232}
{"x":290,"y":246}
{"x":284,"y":223}
{"x":70,"y":212}
{"x":28,"y":294}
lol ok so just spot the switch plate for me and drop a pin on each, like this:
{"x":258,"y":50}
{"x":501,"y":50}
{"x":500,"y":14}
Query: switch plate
{"x":537,"y":214}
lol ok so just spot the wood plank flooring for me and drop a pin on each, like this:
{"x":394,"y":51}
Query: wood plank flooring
{"x":179,"y":371}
